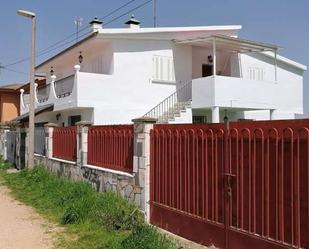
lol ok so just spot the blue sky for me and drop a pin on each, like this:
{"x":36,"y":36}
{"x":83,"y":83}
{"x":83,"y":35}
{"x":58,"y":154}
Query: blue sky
{"x":281,"y":22}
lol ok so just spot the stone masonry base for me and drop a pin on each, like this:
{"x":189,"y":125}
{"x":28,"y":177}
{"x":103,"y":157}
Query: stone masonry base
{"x":102,"y":181}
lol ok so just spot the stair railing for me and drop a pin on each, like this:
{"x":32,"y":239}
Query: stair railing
{"x":167,"y":108}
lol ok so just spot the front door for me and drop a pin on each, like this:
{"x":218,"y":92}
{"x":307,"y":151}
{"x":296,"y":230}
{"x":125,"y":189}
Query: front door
{"x":207,"y":70}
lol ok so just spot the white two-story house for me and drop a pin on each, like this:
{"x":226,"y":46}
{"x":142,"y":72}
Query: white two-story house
{"x":177,"y":75}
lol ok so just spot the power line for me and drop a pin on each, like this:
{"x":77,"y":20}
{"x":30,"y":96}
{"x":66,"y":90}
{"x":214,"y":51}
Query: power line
{"x":115,"y":10}
{"x":46,"y":52}
{"x":137,"y":7}
{"x":49,"y":49}
{"x":52,"y":47}
{"x":12,"y":70}
{"x":71,"y":35}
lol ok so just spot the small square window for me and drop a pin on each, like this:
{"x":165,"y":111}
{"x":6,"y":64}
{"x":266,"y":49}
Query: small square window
{"x":199,"y":119}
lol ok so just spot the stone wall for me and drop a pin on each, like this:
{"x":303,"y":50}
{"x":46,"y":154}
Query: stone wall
{"x":123,"y":184}
{"x":132,"y":186}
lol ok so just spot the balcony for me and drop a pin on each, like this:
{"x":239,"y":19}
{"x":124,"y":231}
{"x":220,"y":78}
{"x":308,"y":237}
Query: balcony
{"x":231,"y":92}
{"x":69,"y":92}
{"x":60,"y":93}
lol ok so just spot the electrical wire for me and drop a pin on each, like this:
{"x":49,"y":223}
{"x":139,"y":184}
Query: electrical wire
{"x":12,"y":70}
{"x":61,"y":44}
{"x":137,"y":7}
{"x":115,"y":10}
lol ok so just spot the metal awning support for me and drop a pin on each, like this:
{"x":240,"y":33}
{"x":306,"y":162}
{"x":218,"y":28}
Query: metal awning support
{"x":229,"y":43}
{"x":276,"y":64}
{"x":214,"y":57}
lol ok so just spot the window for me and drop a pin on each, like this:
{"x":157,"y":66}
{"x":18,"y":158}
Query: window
{"x":199,"y":119}
{"x":207,"y":70}
{"x":256,"y":73}
{"x":163,"y":69}
{"x":73,"y":120}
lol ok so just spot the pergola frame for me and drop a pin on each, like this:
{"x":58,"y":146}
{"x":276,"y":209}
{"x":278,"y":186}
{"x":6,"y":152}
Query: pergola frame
{"x":236,"y":44}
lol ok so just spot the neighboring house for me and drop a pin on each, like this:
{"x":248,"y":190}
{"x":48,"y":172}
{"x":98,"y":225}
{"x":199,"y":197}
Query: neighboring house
{"x":177,"y":74}
{"x":9,"y":102}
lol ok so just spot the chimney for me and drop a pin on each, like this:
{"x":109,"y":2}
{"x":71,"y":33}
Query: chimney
{"x":133,"y":23}
{"x":96,"y":24}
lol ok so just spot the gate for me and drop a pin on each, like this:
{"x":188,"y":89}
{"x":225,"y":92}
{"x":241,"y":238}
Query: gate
{"x":39,"y":141}
{"x":11,"y":147}
{"x":239,"y":186}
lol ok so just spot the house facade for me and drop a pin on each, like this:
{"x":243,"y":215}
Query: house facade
{"x":9,"y":102}
{"x":177,"y":75}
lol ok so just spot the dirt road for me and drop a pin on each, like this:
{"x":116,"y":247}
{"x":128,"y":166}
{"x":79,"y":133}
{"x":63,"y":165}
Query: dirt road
{"x":21,"y":227}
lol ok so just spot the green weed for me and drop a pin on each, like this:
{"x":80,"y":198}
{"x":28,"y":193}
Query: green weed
{"x":96,"y":220}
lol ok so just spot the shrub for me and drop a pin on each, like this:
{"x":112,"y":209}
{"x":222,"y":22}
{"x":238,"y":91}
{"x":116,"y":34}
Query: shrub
{"x":116,"y":213}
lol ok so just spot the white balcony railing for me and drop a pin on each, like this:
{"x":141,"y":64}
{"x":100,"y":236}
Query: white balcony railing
{"x":58,"y":92}
{"x":43,"y":93}
{"x":64,"y":87}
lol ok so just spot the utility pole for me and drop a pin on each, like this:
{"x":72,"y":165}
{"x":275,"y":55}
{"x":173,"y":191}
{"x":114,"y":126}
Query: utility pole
{"x":154,"y":6}
{"x":31,"y":104}
{"x":78,"y":22}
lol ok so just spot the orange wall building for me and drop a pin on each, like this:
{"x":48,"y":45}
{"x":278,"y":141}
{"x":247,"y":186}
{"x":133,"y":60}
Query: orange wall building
{"x":9,"y":102}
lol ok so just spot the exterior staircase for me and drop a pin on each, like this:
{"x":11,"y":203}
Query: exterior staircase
{"x":173,"y":106}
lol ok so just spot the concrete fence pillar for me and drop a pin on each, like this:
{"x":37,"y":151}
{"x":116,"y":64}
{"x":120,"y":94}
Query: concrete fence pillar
{"x":20,"y":148}
{"x":141,"y":159}
{"x":215,"y":114}
{"x":82,"y":142}
{"x":3,"y":143}
{"x":49,"y":128}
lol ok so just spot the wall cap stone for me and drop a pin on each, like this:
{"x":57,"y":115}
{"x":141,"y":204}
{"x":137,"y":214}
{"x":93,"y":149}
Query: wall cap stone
{"x":147,"y":120}
{"x":84,"y":123}
{"x":50,"y":125}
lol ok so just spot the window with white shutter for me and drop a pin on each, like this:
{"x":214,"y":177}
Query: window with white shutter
{"x":163,"y":69}
{"x":256,"y":73}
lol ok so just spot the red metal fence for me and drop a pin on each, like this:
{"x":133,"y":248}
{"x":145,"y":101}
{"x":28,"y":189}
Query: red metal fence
{"x":64,"y":143}
{"x":242,"y":187}
{"x":111,"y":147}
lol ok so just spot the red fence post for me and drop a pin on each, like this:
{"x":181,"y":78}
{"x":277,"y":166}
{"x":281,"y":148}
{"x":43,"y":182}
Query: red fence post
{"x":141,"y":159}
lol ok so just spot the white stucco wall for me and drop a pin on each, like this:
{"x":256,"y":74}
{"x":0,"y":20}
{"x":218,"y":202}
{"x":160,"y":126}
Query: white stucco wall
{"x":289,"y":96}
{"x":115,"y":81}
{"x":129,"y":92}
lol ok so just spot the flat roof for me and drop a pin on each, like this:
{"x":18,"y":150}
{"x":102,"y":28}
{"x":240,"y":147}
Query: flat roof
{"x":168,"y":29}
